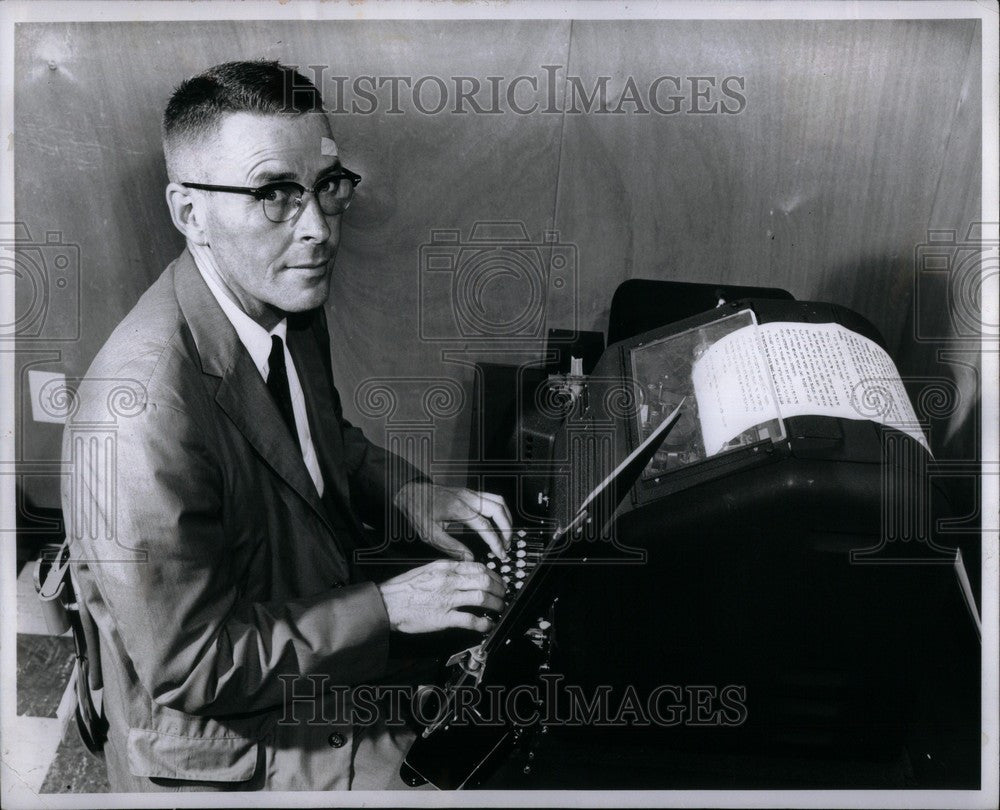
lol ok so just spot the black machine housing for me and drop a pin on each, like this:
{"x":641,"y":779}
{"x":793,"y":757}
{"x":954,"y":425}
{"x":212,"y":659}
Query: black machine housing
{"x":788,"y":604}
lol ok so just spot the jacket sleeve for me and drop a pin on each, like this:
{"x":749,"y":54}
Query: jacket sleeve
{"x":144,"y":510}
{"x":374,"y":474}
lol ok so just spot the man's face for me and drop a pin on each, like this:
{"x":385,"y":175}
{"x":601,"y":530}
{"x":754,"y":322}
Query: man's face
{"x":271,"y":267}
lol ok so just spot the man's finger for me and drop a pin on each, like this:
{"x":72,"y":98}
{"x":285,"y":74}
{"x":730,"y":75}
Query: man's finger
{"x":468,"y":568}
{"x":493,"y":507}
{"x":468,"y":621}
{"x":481,"y":579}
{"x":476,"y":599}
{"x":473,"y":576}
{"x":486,"y":530}
{"x":497,"y":512}
{"x":449,"y":545}
{"x":498,"y":499}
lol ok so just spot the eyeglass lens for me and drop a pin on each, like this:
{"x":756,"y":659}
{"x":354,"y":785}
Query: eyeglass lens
{"x":282,"y":202}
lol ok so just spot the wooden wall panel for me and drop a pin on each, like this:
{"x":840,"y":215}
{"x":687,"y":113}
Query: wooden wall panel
{"x":853,"y":140}
{"x":939,"y":346}
{"x":822,"y":185}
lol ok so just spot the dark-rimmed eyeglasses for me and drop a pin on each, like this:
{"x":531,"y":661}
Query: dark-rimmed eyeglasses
{"x":282,"y":199}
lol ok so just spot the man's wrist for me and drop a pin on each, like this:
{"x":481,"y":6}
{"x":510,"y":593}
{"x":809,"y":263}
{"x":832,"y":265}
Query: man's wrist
{"x":408,"y":493}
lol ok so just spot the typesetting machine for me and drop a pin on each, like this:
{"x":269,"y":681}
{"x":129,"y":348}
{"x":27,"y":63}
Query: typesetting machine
{"x":768,"y":541}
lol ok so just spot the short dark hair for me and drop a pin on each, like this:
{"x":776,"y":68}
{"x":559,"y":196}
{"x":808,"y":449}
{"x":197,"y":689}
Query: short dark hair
{"x":267,"y":88}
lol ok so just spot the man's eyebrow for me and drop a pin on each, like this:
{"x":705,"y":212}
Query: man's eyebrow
{"x":331,"y":169}
{"x":273,"y":177}
{"x":260,"y":178}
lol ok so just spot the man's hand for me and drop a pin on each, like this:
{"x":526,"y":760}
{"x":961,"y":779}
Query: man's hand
{"x":429,"y":507}
{"x":427,"y":598}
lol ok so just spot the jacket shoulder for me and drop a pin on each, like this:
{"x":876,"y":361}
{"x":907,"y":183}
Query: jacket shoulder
{"x":148,"y":355}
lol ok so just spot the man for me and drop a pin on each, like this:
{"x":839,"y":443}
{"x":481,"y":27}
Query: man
{"x":214,"y":519}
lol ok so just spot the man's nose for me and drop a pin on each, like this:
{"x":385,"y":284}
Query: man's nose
{"x":312,"y":224}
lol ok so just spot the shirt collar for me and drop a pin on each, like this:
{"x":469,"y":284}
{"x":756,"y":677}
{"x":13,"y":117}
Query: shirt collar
{"x":252,"y":335}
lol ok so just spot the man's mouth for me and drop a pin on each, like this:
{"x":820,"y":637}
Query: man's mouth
{"x":310,"y":265}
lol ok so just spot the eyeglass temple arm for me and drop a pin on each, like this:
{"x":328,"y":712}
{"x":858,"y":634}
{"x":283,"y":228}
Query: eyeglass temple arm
{"x":253,"y":192}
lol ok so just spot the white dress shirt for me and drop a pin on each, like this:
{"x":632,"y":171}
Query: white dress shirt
{"x":257,"y":341}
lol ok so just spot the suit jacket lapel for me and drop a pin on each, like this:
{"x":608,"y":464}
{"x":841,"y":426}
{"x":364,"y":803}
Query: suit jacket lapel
{"x":242,"y":393}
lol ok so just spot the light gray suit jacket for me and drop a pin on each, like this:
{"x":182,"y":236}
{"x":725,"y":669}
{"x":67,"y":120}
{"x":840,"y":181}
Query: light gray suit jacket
{"x":216,"y":576}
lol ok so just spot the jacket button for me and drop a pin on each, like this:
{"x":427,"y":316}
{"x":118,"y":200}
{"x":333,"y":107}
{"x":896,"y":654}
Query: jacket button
{"x":336,"y":740}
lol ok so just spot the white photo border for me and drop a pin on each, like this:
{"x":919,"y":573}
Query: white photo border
{"x":16,"y":11}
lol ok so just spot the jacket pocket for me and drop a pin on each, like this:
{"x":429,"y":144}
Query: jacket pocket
{"x":156,"y":754}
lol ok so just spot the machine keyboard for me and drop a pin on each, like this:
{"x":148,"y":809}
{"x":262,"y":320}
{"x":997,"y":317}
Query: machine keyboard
{"x":526,"y":551}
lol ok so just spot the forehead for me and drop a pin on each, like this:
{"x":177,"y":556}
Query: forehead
{"x":247,"y":145}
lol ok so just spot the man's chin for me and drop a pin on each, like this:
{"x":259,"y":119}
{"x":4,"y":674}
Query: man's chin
{"x":307,"y":295}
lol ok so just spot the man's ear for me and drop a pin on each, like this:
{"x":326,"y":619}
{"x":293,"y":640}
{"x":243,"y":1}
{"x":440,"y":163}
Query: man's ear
{"x":187,"y":213}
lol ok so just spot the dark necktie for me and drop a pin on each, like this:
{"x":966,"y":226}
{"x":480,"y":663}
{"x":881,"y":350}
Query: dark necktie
{"x":277,"y":384}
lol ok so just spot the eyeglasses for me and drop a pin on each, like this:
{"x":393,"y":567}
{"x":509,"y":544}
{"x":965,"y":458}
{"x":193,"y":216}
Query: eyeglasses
{"x":282,"y":200}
